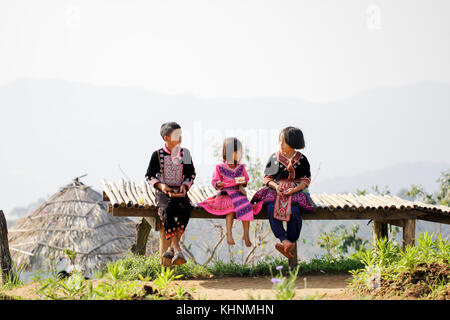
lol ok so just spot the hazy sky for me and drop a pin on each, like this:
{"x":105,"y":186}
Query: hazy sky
{"x":315,"y":50}
{"x":211,"y":51}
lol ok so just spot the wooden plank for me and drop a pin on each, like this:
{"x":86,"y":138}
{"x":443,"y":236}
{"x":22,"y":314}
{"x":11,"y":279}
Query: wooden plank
{"x":409,"y":233}
{"x":315,"y":214}
{"x":5,"y":255}
{"x":435,"y":217}
{"x":398,"y":223}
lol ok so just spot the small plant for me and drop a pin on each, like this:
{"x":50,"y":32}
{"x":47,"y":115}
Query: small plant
{"x":284,"y":287}
{"x":422,"y":271}
{"x":74,"y":287}
{"x":71,"y":255}
{"x":164,"y":279}
{"x":117,"y":290}
{"x":14,"y":277}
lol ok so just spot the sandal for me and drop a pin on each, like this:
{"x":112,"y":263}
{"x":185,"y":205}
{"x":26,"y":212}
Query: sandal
{"x":288,"y":248}
{"x":280,"y":248}
{"x":166,"y":259}
{"x":178,"y":259}
{"x":169,"y":253}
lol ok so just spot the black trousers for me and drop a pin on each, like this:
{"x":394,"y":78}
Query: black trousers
{"x":173,"y":212}
{"x":294,"y":226}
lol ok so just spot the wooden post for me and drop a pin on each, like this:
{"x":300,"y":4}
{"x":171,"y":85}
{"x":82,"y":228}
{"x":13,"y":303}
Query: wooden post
{"x":409,"y":233}
{"x":380,"y":230}
{"x":293,"y":262}
{"x":5,"y":256}
{"x":142,"y":231}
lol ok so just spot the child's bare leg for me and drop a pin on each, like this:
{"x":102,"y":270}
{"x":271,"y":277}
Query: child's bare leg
{"x":229,"y":221}
{"x":175,"y":244}
{"x":246,"y":226}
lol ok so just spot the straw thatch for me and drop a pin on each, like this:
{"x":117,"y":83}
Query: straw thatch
{"x":74,"y":218}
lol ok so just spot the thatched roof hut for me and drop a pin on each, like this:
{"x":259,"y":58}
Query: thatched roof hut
{"x":75,"y":218}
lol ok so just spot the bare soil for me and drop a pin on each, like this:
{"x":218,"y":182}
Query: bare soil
{"x":418,"y":284}
{"x":334,"y":286}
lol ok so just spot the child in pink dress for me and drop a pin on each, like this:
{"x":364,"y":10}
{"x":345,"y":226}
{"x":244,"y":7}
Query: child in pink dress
{"x":230,"y":178}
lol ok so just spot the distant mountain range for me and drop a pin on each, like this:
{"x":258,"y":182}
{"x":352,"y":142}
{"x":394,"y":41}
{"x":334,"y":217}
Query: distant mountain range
{"x":56,"y":130}
{"x":395,"y":178}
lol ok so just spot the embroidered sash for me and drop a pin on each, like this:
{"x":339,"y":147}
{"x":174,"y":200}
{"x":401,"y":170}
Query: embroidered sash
{"x":282,"y":208}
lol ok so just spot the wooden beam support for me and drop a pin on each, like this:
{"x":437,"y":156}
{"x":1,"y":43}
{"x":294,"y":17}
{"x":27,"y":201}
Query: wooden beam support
{"x":143,"y":229}
{"x":293,"y":262}
{"x":5,"y":255}
{"x":316,"y":214}
{"x":380,"y":230}
{"x":409,"y":233}
{"x":398,"y":223}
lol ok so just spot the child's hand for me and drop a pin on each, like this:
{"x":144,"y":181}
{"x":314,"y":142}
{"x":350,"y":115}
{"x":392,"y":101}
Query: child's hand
{"x":289,"y":191}
{"x":279,"y":190}
{"x":242,"y":190}
{"x":219,"y":184}
{"x":183,"y":189}
{"x":165,"y":188}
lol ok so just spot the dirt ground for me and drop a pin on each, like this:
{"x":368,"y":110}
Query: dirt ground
{"x":240,"y":288}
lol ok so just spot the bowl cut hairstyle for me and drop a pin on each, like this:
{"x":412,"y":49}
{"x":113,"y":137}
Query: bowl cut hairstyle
{"x":230,"y":145}
{"x":293,"y":137}
{"x":168,"y":127}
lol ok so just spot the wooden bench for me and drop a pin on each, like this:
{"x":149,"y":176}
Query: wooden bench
{"x":126,"y":199}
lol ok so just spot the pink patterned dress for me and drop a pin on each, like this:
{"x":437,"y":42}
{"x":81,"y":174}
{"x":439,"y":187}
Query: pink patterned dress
{"x":230,"y":199}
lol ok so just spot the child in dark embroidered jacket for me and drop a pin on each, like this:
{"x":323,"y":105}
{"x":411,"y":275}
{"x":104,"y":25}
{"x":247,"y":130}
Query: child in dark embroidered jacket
{"x":287,"y":177}
{"x":171,"y":172}
{"x":230,"y":178}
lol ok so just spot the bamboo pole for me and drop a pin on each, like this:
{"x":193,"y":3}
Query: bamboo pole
{"x":146,"y":195}
{"x":352,"y":199}
{"x":130,"y":194}
{"x":330,"y":200}
{"x":110,"y":194}
{"x":350,"y":204}
{"x":398,"y":205}
{"x":141,"y":196}
{"x":380,"y":202}
{"x":116,"y":192}
{"x":409,"y":205}
{"x":367,"y":205}
{"x":123,"y":193}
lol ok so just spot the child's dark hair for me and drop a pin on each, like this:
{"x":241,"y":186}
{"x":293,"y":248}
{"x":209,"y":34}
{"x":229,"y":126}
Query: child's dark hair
{"x":293,"y":137}
{"x":168,"y":127}
{"x":230,"y":145}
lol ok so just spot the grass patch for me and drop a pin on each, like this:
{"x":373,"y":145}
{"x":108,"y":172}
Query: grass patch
{"x":148,"y":267}
{"x":421,"y":272}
